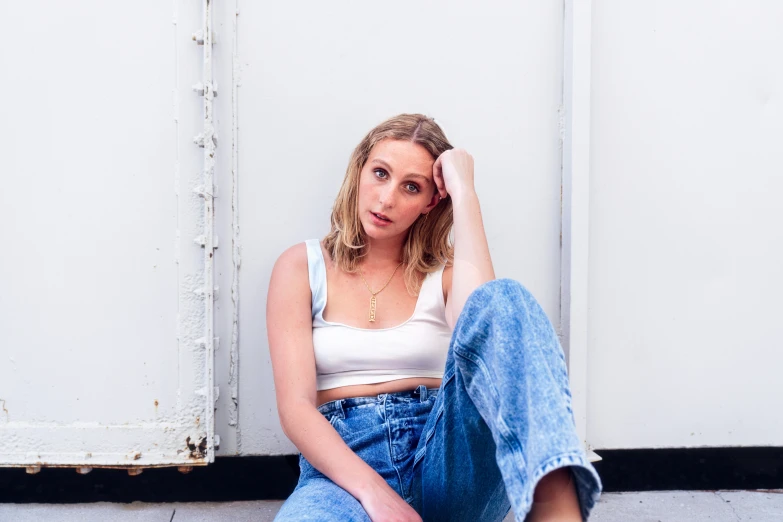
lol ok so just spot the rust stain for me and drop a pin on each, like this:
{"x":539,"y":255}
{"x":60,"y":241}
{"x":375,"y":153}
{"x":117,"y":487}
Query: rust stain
{"x":156,"y":403}
{"x":7,"y":417}
{"x":197,"y":451}
{"x":106,"y":466}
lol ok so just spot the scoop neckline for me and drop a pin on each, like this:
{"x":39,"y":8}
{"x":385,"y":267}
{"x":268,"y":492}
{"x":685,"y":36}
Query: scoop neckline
{"x":332,"y":323}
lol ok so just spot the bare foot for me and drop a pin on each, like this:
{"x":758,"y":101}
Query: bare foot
{"x":554,"y":498}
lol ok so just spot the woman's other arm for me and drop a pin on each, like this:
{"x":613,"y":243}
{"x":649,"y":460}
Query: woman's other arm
{"x":453,"y":174}
{"x":289,"y":328}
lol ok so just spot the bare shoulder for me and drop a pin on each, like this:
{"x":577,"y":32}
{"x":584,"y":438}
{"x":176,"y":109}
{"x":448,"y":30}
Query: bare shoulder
{"x":289,"y":285}
{"x":289,"y":329}
{"x":292,"y":262}
{"x":296,"y":254}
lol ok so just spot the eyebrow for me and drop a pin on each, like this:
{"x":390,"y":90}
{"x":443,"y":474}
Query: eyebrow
{"x":414,"y":174}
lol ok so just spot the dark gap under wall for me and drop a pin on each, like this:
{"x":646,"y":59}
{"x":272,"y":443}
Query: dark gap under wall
{"x":267,"y":478}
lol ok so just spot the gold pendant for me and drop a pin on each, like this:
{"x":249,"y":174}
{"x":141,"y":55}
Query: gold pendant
{"x":372,"y":309}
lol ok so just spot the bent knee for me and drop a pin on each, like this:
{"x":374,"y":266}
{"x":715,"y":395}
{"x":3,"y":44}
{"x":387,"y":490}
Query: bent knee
{"x":503,"y":291}
{"x":500,"y":302}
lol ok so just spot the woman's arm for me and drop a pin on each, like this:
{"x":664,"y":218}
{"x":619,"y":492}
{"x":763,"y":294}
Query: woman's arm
{"x":453,"y":174}
{"x":290,"y":332}
{"x":472,"y":262}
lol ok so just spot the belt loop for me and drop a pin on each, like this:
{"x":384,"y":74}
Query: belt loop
{"x":421,"y":391}
{"x":340,"y":411}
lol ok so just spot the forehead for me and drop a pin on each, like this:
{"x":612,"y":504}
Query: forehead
{"x":403,"y":157}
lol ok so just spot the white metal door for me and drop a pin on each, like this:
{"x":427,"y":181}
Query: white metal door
{"x":106,"y":292}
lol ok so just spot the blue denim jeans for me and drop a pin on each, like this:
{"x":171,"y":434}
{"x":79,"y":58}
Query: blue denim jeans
{"x":479,"y":444}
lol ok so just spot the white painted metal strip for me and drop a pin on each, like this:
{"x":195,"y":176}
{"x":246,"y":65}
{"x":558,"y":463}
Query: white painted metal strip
{"x":210,"y":144}
{"x":576,"y":204}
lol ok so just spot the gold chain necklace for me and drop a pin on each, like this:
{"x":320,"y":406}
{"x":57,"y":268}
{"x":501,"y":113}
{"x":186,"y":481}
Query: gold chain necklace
{"x":372,"y":299}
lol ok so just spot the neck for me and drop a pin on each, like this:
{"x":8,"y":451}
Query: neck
{"x":383,"y":253}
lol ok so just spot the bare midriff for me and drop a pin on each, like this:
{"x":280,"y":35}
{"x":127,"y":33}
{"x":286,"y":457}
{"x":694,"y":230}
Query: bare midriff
{"x":371,"y":390}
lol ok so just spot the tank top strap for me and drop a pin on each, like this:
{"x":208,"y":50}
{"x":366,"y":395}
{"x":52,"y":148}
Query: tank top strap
{"x":431,"y":294}
{"x":316,"y":267}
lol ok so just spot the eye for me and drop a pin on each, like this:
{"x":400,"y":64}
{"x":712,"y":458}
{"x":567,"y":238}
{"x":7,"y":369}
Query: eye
{"x":410,"y":187}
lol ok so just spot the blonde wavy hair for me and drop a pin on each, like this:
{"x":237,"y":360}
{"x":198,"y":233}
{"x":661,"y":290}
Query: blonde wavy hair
{"x":428,"y":244}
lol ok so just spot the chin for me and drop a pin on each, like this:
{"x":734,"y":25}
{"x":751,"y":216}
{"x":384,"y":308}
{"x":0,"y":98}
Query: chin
{"x":374,"y":233}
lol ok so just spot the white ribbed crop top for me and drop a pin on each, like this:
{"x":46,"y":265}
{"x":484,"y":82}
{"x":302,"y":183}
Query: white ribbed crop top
{"x":347,"y":355}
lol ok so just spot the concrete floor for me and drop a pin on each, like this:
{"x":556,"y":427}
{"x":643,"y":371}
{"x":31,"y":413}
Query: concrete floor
{"x":651,"y":506}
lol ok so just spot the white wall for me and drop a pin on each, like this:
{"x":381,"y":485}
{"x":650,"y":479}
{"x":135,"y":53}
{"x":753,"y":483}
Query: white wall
{"x":317,"y":77}
{"x":685,"y":329}
{"x":98,"y":214}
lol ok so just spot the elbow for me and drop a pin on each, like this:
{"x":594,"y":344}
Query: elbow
{"x":283,"y":425}
{"x":288,"y":415}
{"x":285,"y":418}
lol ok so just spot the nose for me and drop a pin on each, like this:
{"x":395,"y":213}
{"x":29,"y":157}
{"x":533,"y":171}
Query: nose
{"x":386,"y":197}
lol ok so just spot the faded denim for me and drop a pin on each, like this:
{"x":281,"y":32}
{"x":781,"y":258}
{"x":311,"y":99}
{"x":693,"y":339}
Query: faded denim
{"x":477,"y":445}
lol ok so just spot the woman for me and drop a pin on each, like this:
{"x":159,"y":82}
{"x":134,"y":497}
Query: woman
{"x":414,"y":384}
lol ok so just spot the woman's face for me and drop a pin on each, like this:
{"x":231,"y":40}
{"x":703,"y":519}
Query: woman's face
{"x":396,"y":184}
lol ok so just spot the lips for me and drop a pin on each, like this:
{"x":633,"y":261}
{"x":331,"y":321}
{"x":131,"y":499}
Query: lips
{"x":381,"y":216}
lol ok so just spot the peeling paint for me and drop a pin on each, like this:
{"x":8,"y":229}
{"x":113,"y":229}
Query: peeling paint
{"x":197,"y":449}
{"x":210,"y":294}
{"x":177,"y":235}
{"x":233,"y":378}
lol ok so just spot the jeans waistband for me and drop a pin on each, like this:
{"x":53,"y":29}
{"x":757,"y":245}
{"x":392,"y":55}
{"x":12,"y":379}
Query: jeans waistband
{"x":421,"y":394}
